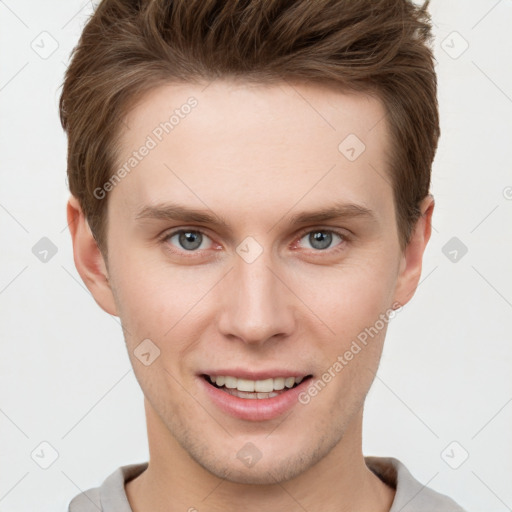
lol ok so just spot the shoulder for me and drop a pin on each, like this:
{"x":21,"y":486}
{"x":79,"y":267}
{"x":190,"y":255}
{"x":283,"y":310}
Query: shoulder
{"x":86,"y":501}
{"x":110,"y":496}
{"x":410,"y":494}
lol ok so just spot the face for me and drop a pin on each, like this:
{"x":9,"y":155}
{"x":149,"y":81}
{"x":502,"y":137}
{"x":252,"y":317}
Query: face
{"x":249,"y":249}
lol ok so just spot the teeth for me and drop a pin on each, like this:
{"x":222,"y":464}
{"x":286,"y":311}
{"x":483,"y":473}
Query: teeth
{"x":246,"y":385}
{"x":230,"y":382}
{"x":256,"y":386}
{"x":265,"y":386}
{"x":279,"y":383}
{"x":250,"y":396}
{"x":289,"y":382}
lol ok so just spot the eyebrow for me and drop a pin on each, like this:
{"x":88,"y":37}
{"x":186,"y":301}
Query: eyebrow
{"x":173,"y":212}
{"x":179,"y":212}
{"x":336,"y":211}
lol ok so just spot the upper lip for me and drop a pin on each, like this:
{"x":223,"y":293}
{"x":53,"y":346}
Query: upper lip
{"x":241,"y":373}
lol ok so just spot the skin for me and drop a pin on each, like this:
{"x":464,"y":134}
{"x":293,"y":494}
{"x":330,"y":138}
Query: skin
{"x":255,"y":156}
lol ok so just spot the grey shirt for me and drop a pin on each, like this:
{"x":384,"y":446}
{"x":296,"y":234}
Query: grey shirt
{"x":410,"y":495}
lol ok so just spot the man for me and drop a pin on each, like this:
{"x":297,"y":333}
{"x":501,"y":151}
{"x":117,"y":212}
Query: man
{"x":250,"y":195}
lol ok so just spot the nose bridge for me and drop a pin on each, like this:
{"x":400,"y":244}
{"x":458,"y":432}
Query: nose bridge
{"x":256,"y":308}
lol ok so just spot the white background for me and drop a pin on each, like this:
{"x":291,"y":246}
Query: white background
{"x":446,"y":369}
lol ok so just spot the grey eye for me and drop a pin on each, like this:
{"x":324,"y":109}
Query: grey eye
{"x":321,"y":239}
{"x":188,"y":240}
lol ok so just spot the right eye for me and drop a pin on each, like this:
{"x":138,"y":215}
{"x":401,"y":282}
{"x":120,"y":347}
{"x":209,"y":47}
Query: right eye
{"x":188,"y":240}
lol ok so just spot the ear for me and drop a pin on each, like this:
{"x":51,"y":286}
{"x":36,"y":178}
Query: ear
{"x":412,"y":256}
{"x":88,"y":259}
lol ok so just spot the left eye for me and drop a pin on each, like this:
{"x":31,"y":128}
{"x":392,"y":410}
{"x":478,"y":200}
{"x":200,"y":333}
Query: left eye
{"x":320,"y":239}
{"x":189,"y":240}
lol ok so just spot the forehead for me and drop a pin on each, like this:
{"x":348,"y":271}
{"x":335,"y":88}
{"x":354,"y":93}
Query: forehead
{"x":238,"y":147}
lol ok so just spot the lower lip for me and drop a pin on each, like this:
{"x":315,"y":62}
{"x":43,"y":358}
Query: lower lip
{"x":257,"y":409}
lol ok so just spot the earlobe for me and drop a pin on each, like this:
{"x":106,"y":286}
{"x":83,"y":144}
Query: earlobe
{"x":89,"y":260}
{"x":412,"y":257}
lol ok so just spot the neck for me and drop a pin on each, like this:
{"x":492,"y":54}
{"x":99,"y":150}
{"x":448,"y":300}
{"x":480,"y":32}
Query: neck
{"x":173,"y":481}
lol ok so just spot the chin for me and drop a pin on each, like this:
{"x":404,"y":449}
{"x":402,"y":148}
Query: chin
{"x":270,"y":466}
{"x":262,"y":473}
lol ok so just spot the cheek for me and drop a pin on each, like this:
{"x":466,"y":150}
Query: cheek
{"x":351,"y":297}
{"x":356,"y":304}
{"x":155,"y":300}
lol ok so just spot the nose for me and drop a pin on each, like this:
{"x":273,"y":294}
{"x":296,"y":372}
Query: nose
{"x":255,"y":305}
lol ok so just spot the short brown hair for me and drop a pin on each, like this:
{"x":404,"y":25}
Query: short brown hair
{"x":129,"y":47}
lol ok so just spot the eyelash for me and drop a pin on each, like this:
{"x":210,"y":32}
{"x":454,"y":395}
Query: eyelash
{"x":331,"y":250}
{"x":198,"y":253}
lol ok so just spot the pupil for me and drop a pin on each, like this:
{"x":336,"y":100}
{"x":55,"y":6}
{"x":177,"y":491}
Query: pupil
{"x":190,"y":240}
{"x":320,"y":239}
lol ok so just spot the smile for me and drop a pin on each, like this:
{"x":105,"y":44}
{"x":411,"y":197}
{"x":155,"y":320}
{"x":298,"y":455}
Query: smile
{"x":254,"y":389}
{"x":258,"y":399}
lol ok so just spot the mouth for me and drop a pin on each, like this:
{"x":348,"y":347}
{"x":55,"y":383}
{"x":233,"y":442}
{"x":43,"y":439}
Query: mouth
{"x":253,"y":395}
{"x":254,"y":389}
